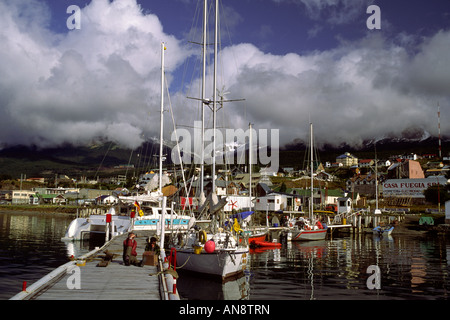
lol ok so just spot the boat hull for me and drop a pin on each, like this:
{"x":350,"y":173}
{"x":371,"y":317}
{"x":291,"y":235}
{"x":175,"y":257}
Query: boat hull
{"x":151,"y":223}
{"x":267,"y":244}
{"x":257,"y":237}
{"x":225,"y":263}
{"x":309,"y":235}
{"x":385,"y":232}
{"x":81,"y":228}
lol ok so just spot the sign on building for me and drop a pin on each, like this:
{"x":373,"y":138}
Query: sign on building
{"x":410,"y":187}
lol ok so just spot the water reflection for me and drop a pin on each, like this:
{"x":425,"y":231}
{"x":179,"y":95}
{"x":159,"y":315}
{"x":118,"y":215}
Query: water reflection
{"x":411,"y":267}
{"x":195,"y":287}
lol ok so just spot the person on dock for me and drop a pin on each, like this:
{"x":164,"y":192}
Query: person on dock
{"x":152,"y":245}
{"x":129,"y":250}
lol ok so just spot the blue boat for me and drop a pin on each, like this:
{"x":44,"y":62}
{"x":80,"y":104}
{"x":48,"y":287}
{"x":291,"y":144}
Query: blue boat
{"x":380,"y":231}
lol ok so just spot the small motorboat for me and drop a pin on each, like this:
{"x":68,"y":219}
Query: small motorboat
{"x":383,"y":231}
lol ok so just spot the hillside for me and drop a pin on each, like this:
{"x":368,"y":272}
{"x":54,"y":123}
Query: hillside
{"x":100,"y":159}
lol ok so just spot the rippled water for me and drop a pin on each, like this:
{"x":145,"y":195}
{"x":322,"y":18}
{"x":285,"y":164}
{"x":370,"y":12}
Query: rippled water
{"x":30,"y":248}
{"x":411,"y":267}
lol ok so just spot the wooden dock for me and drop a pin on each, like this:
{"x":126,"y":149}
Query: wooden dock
{"x":113,"y":282}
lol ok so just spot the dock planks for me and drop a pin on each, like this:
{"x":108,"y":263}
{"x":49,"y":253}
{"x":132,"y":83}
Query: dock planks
{"x":114,"y":282}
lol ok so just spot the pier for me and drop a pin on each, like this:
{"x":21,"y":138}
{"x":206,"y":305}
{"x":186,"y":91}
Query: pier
{"x":84,"y":278}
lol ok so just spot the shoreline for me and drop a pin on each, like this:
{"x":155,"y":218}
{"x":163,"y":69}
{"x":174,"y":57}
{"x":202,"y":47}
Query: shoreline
{"x":39,"y":209}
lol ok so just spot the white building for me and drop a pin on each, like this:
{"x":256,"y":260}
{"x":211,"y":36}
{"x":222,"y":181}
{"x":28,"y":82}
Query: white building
{"x":237,"y":203}
{"x":24,"y":197}
{"x":271,"y":202}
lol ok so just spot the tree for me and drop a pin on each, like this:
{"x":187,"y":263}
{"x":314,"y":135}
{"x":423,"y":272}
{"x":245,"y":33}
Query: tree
{"x":437,"y":193}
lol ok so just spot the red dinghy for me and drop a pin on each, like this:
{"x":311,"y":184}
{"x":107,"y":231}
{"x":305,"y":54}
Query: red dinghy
{"x":267,"y":244}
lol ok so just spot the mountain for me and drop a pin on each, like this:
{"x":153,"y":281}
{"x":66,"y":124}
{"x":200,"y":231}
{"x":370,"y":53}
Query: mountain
{"x":70,"y":160}
{"x":102,"y":158}
{"x":294,"y":153}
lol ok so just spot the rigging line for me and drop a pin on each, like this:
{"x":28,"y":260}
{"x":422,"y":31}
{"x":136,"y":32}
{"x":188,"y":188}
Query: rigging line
{"x":176,"y":136}
{"x":126,"y":171}
{"x":104,"y":157}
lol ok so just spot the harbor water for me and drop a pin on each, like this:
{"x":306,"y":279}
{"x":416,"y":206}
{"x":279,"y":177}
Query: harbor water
{"x":346,"y":267}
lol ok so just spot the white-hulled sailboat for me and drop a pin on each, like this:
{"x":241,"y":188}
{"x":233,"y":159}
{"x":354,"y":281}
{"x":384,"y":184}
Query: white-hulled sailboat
{"x":214,"y":251}
{"x":309,"y":229}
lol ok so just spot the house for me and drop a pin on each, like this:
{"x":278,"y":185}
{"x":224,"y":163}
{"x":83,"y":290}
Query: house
{"x":107,"y":199}
{"x":5,"y":196}
{"x":336,"y":165}
{"x":365,"y":163}
{"x":223,"y":187}
{"x":347,"y":160}
{"x":410,"y":156}
{"x":331,"y":196}
{"x":324,"y":176}
{"x":244,"y":179}
{"x":408,"y":169}
{"x":362,"y":183}
{"x":344,"y":205}
{"x":52,"y":199}
{"x":24,"y":197}
{"x":237,"y":203}
{"x":271,"y":202}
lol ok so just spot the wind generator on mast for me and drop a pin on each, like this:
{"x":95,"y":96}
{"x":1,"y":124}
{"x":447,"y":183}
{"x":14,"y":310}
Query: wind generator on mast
{"x":212,"y":104}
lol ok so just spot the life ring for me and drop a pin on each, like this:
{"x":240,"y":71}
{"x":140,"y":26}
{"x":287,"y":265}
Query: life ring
{"x":202,"y":236}
{"x":307,"y":227}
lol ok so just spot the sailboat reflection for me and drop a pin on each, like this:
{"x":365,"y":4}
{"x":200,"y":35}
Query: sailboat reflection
{"x":191,"y":286}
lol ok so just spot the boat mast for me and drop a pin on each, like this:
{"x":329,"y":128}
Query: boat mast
{"x":312,"y":171}
{"x":250,"y":143}
{"x":215,"y":98}
{"x":161,"y":118}
{"x":204,"y":102}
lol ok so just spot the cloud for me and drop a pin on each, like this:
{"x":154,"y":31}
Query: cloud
{"x":100,"y":82}
{"x":333,"y":12}
{"x":359,"y":91}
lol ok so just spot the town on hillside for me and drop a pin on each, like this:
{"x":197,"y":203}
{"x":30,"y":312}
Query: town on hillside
{"x":398,"y":181}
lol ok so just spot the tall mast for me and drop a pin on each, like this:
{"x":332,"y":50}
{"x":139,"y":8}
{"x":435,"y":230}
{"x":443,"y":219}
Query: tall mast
{"x":202,"y":163}
{"x":312,"y":171}
{"x":161,"y":118}
{"x":215,"y":98}
{"x":250,"y":159}
{"x":439,"y":131}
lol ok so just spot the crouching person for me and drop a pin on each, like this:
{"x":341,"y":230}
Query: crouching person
{"x":129,"y":250}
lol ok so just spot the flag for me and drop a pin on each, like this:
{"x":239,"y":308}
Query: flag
{"x":138,"y":208}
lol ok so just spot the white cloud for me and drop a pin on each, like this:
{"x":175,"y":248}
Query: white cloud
{"x":102,"y":82}
{"x":358,"y":91}
{"x":98,"y":82}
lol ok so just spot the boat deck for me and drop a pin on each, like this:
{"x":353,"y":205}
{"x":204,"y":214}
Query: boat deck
{"x":113,"y":282}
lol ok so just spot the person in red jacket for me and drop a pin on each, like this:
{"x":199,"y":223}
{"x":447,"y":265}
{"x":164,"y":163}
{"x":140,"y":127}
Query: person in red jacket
{"x":129,"y":250}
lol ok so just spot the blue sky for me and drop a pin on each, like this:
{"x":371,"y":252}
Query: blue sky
{"x":292,"y":60}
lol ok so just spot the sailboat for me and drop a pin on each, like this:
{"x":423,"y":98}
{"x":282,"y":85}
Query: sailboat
{"x":151,"y":219}
{"x":138,"y":219}
{"x":215,"y":251}
{"x":309,"y":229}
